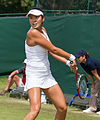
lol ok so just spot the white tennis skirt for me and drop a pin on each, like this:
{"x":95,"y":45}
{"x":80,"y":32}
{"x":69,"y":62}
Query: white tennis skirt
{"x":38,"y":78}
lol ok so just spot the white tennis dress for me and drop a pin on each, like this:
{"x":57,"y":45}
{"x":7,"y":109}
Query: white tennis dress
{"x":38,"y":72}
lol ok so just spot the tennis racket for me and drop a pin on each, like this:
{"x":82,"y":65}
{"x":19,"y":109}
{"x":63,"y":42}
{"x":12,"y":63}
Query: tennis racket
{"x":82,"y":85}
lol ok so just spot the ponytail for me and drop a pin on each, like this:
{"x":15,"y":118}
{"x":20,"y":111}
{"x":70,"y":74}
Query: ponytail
{"x":87,"y":55}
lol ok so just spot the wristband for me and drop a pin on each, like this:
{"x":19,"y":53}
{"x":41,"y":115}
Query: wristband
{"x":68,"y":63}
{"x":9,"y":76}
{"x":72,"y":57}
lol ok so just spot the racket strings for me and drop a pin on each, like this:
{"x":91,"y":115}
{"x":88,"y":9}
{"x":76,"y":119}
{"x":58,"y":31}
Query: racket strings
{"x":83,"y":88}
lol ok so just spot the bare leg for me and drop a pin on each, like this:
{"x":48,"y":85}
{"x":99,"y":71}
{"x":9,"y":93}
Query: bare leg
{"x":15,"y":80}
{"x":35,"y":103}
{"x":57,"y":97}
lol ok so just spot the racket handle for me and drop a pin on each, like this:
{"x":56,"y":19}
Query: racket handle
{"x":71,"y":62}
{"x":76,"y":68}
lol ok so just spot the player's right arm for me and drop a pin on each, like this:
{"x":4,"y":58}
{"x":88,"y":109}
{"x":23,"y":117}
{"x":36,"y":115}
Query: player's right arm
{"x":34,"y":37}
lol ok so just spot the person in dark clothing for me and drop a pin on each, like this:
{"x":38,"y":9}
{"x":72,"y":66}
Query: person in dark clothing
{"x":92,"y":68}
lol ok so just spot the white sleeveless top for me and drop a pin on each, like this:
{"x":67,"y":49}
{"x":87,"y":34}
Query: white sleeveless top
{"x":38,"y":72}
{"x":37,"y":56}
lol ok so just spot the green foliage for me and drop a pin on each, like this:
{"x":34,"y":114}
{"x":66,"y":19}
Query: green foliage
{"x":27,"y":4}
{"x":15,"y":6}
{"x":22,"y":6}
{"x":64,"y":4}
{"x":98,"y":5}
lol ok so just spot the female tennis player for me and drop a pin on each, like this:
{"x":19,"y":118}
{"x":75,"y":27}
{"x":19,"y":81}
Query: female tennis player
{"x":38,"y":74}
{"x":92,"y":68}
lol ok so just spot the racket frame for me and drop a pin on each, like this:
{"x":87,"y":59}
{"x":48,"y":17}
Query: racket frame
{"x":78,"y":79}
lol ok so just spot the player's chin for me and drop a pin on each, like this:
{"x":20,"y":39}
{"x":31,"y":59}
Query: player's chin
{"x":34,"y":26}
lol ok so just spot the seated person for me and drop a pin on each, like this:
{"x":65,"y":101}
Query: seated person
{"x":20,"y":82}
{"x":13,"y":78}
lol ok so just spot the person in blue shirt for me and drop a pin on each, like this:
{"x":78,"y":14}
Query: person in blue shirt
{"x":92,"y":68}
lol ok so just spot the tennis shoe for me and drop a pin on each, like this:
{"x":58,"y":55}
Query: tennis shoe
{"x":98,"y":113}
{"x":88,"y":111}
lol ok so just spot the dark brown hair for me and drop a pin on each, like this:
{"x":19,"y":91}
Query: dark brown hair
{"x":87,"y":55}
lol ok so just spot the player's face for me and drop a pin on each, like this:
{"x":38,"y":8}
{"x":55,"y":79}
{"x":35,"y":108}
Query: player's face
{"x":36,"y":21}
{"x":81,"y":59}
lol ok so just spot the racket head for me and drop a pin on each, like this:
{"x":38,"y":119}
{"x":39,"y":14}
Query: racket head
{"x":82,"y":85}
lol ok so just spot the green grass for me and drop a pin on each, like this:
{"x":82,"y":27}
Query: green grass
{"x":16,"y":109}
{"x":4,"y":82}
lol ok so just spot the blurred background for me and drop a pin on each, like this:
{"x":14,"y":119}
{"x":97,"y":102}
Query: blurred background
{"x":22,"y":6}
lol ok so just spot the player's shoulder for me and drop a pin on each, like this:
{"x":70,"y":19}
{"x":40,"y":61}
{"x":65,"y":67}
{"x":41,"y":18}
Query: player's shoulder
{"x":90,"y":61}
{"x":32,"y":31}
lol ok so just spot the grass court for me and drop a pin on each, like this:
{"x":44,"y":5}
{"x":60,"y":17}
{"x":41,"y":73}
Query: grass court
{"x":16,"y":109}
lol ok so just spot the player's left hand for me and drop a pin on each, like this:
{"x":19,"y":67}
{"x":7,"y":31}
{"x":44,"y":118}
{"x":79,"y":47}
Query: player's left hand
{"x":73,"y":66}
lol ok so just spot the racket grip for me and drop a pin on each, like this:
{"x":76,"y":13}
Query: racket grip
{"x":71,"y":62}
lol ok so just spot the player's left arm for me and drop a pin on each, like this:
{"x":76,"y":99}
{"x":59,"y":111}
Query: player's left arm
{"x":62,"y":59}
{"x":94,"y":72}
